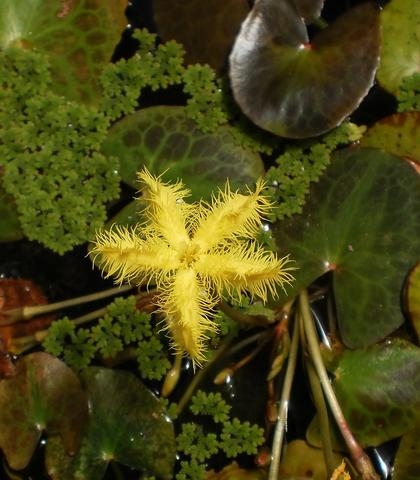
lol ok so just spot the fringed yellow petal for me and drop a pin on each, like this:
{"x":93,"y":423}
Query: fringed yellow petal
{"x":123,"y":254}
{"x":166,"y":209}
{"x":187,"y":309}
{"x":231,"y":215}
{"x":244,"y":267}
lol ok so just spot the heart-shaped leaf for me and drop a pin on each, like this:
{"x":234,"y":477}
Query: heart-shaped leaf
{"x":207,"y":33}
{"x":78,"y":35}
{"x":45,"y":395}
{"x":400,"y":51}
{"x":378,"y":390}
{"x":407,"y":460}
{"x":298,"y":89}
{"x":398,"y":134}
{"x":360,"y":223}
{"x":164,"y":138}
{"x":127,"y":424}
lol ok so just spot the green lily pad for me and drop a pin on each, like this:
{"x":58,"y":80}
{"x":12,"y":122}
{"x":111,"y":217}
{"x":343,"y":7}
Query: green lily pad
{"x":360,"y":223}
{"x":407,"y":460}
{"x":400,"y":51}
{"x":378,"y":390}
{"x":206,"y":32}
{"x":10,"y":229}
{"x":127,"y":424}
{"x":45,"y":395}
{"x":412,"y":298}
{"x":164,"y":138}
{"x":294,"y":88}
{"x":397,"y":134}
{"x":79,"y":36}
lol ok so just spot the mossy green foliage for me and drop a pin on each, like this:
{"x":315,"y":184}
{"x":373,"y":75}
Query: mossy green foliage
{"x":198,"y":442}
{"x":409,"y":93}
{"x":49,"y":153}
{"x":55,"y":170}
{"x":301,"y":164}
{"x":122,"y":326}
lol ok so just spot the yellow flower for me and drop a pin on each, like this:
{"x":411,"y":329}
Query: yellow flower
{"x":194,"y":253}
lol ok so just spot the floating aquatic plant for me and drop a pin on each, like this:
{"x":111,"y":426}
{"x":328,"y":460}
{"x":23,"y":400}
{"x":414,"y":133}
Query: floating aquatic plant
{"x":194,"y":253}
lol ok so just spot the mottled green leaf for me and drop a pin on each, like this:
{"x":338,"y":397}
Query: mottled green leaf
{"x":361,"y":223}
{"x":9,"y":224}
{"x":298,"y":89}
{"x":206,"y":31}
{"x":407,"y":460}
{"x":412,"y":299}
{"x":378,"y":389}
{"x":400,"y":49}
{"x":127,"y":424}
{"x":397,"y":134}
{"x":78,"y":35}
{"x":164,"y":138}
{"x":45,"y":395}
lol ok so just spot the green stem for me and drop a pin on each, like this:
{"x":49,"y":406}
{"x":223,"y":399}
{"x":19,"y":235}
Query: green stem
{"x":284,"y":402}
{"x":22,"y":344}
{"x":359,"y":457}
{"x":324,"y":423}
{"x":25,"y":313}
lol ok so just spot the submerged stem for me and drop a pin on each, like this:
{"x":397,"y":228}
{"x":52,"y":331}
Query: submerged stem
{"x":359,"y":457}
{"x":324,"y":423}
{"x":201,"y":373}
{"x":284,"y":403}
{"x":15,"y":315}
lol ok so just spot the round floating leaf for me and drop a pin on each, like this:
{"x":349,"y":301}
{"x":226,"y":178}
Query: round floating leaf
{"x":127,"y":424}
{"x":400,"y":49}
{"x":78,"y":35}
{"x":206,"y":31}
{"x":397,"y":134}
{"x":378,"y":389}
{"x":9,"y":224}
{"x":298,"y":89}
{"x":164,"y":138}
{"x":361,"y":223}
{"x":407,"y":460}
{"x":45,"y":395}
{"x":412,"y":297}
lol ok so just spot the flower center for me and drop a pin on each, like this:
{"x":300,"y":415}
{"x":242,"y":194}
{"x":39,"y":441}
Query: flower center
{"x":188,"y":253}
